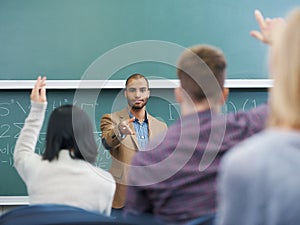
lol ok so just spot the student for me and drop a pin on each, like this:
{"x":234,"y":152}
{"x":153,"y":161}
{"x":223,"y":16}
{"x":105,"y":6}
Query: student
{"x":265,"y":190}
{"x":176,"y":181}
{"x":64,"y":174}
{"x":128,"y":131}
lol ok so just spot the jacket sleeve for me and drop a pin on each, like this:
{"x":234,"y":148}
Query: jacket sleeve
{"x":247,"y":123}
{"x":111,"y":137}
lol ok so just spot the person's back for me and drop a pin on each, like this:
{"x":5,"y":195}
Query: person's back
{"x":68,"y":181}
{"x":174,"y":188}
{"x":267,"y":190}
{"x":64,"y":173}
{"x":177,"y":180}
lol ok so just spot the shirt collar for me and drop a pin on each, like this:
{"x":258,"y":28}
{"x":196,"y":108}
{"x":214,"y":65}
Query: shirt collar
{"x":136,"y":120}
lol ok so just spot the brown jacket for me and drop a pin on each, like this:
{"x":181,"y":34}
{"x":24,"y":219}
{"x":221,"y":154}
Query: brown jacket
{"x":122,"y":150}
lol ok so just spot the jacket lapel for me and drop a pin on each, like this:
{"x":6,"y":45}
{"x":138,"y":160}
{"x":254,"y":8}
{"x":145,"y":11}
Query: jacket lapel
{"x":150,"y":126}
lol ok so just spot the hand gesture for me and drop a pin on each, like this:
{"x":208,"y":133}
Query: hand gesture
{"x":267,"y":27}
{"x":124,"y":127}
{"x":38,"y":93}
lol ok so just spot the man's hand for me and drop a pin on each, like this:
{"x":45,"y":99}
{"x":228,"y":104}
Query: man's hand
{"x":124,"y":127}
{"x":38,"y":93}
{"x":267,"y":27}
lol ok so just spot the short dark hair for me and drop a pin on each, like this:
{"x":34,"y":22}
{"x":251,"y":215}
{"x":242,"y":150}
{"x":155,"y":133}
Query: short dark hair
{"x":201,"y":71}
{"x":136,"y":76}
{"x":69,"y":127}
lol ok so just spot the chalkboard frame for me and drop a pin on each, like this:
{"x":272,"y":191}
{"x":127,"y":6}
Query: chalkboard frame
{"x":113,"y":84}
{"x":119,"y":84}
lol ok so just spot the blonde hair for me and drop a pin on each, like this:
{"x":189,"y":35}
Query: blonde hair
{"x":285,"y":66}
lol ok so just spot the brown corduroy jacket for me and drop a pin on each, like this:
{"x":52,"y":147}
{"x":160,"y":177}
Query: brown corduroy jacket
{"x":123,"y":150}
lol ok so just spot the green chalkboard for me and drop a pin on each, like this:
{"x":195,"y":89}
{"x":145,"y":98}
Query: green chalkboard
{"x":64,"y":38}
{"x":15,"y":106}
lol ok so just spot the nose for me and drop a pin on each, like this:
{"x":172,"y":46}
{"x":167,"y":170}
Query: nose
{"x":138,"y":94}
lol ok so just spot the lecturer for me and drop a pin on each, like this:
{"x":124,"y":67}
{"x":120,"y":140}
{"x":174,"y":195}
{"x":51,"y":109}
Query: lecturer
{"x":127,"y":131}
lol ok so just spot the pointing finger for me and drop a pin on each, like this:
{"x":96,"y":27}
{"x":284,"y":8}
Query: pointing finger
{"x":260,"y":19}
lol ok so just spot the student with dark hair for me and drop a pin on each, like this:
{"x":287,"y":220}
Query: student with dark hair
{"x":64,"y":174}
{"x":64,"y":123}
{"x":128,"y":131}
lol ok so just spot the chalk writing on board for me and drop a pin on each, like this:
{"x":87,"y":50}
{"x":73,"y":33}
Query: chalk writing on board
{"x":173,"y":110}
{"x":229,"y":106}
{"x":6,"y":152}
{"x":4,"y":111}
{"x":13,"y":113}
{"x":11,"y":126}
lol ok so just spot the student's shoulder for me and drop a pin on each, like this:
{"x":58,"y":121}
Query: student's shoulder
{"x":247,"y":161}
{"x":104,"y":174}
{"x":252,"y":148}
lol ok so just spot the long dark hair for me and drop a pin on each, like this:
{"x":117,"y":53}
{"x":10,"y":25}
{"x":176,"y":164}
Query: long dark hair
{"x":69,"y":127}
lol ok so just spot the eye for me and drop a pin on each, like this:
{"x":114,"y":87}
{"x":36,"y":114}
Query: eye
{"x":132,"y":90}
{"x":143,"y":90}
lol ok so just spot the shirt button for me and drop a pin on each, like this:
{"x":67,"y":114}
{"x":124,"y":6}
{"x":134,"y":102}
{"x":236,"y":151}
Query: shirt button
{"x":143,"y":137}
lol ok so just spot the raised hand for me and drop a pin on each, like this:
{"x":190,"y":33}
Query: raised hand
{"x":267,"y":27}
{"x":38,"y":93}
{"x":124,"y":127}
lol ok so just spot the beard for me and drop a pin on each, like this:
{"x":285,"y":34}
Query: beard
{"x":135,"y":106}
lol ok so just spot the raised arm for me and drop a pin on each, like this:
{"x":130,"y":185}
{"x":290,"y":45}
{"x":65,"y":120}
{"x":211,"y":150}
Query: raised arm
{"x":267,"y":27}
{"x":25,"y":146}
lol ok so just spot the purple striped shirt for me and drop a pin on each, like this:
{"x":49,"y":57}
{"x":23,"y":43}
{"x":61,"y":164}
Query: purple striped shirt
{"x":176,"y":181}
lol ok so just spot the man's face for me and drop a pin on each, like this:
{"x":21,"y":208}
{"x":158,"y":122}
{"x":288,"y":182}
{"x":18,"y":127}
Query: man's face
{"x":137,"y":93}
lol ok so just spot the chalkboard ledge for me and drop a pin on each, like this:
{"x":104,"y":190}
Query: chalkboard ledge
{"x":119,"y":84}
{"x":14,"y":200}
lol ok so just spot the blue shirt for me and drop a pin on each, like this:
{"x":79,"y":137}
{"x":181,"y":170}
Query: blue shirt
{"x":259,"y":181}
{"x":141,"y":130}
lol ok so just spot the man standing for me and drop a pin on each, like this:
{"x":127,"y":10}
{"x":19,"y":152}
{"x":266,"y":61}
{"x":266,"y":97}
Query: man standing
{"x":127,"y":131}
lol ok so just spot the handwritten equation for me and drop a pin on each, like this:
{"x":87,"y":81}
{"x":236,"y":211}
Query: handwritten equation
{"x":12,"y":116}
{"x":14,"y":110}
{"x":228,"y":107}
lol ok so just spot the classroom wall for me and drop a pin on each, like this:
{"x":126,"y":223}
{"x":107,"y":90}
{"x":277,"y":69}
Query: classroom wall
{"x":62,"y":38}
